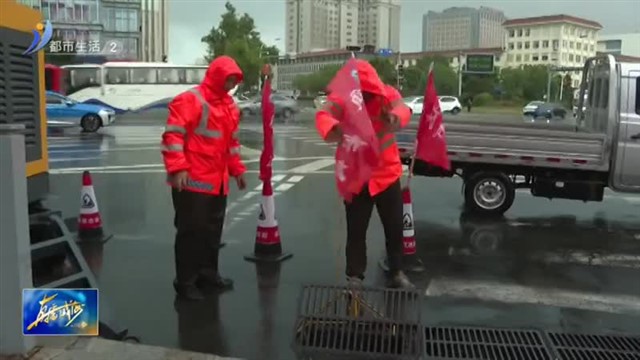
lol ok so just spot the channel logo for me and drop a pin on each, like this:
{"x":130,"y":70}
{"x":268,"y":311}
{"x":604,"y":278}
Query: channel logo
{"x":40,"y":42}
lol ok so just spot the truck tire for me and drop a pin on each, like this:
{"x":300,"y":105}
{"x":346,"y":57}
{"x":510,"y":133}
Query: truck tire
{"x":489,"y":193}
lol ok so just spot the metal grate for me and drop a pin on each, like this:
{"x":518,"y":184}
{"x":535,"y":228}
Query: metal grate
{"x":595,"y":347}
{"x":484,"y":344}
{"x":358,"y":322}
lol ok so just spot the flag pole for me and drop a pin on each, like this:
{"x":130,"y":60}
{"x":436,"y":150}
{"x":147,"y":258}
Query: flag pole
{"x":415,"y":142}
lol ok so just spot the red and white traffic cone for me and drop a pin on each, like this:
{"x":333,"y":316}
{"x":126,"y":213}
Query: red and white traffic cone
{"x":410,"y":260}
{"x":89,"y":220}
{"x":267,"y":246}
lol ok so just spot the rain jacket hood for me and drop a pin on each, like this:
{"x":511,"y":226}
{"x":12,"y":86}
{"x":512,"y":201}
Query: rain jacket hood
{"x":217,"y":73}
{"x":369,"y":79}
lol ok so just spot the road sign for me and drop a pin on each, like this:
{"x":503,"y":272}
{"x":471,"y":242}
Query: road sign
{"x":479,"y":64}
{"x":385,"y":52}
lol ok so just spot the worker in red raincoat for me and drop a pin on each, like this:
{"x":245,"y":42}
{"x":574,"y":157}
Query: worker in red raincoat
{"x":201,"y":152}
{"x":388,"y":113}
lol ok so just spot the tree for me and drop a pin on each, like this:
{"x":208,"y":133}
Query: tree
{"x":317,"y":81}
{"x":385,"y":69}
{"x":236,"y":36}
{"x":445,"y":78}
{"x":528,"y":83}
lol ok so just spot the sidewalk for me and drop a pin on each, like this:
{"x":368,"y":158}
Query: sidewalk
{"x":95,"y":348}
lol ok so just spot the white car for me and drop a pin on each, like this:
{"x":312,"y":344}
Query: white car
{"x":449,"y":104}
{"x":414,"y":103}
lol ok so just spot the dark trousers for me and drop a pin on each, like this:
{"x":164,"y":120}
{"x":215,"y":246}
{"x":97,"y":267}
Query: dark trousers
{"x":199,"y":219}
{"x":389,"y":206}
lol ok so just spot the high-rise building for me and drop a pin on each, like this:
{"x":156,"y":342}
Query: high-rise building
{"x":379,"y":23}
{"x":461,"y":28}
{"x":155,"y":30}
{"x":121,"y":19}
{"x":316,"y":25}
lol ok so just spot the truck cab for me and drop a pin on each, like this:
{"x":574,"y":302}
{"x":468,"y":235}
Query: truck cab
{"x":611,"y":101}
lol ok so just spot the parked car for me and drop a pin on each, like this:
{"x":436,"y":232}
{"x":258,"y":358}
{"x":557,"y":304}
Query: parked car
{"x":285,"y":106}
{"x":549,"y":111}
{"x":65,"y":112}
{"x":449,"y":104}
{"x":531,"y":107}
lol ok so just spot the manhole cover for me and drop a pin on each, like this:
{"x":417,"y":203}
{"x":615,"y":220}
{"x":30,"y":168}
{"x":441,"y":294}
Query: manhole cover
{"x":595,"y":347}
{"x":338,"y":321}
{"x":484,"y":344}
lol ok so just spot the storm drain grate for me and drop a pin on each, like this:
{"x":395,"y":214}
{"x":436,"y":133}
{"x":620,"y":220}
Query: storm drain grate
{"x":595,"y":347}
{"x":484,"y":344}
{"x":359,"y":323}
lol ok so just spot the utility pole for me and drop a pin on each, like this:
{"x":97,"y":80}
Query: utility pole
{"x":398,"y":80}
{"x":459,"y":74}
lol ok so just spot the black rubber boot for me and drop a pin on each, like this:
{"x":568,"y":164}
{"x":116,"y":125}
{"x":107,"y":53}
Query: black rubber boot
{"x":211,"y":279}
{"x":188,"y":291}
{"x":399,"y":281}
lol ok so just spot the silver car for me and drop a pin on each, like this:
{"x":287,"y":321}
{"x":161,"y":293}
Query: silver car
{"x":285,"y":106}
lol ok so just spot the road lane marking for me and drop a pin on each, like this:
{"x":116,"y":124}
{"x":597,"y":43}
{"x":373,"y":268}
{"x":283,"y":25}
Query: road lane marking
{"x":103,"y":150}
{"x":249,"y":195}
{"x":295,"y":178}
{"x":313,"y":166}
{"x":284,"y":186}
{"x":75,"y":159}
{"x":277,"y":178}
{"x":518,"y":294}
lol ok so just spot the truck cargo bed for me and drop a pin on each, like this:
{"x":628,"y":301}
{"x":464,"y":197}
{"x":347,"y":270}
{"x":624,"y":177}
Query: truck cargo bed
{"x":517,"y":143}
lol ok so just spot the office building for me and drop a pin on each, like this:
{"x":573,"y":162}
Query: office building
{"x":620,"y":44}
{"x":462,"y":28}
{"x":155,"y":30}
{"x":320,"y":25}
{"x":71,"y":20}
{"x":557,"y":40}
{"x":121,"y":21}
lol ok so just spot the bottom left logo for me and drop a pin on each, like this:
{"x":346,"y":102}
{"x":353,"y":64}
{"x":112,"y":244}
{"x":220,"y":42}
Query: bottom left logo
{"x":72,"y":312}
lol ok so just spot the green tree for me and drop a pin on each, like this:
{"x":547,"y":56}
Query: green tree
{"x":445,"y":78}
{"x":317,"y":81}
{"x":236,"y":36}
{"x":385,"y":68}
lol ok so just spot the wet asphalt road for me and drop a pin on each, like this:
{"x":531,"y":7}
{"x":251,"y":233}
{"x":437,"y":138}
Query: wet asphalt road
{"x":554,"y":265}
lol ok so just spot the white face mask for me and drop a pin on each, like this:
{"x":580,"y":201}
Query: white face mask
{"x":233,"y":91}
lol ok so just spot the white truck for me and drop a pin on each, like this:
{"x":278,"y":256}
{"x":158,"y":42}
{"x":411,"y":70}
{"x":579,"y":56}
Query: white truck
{"x":571,"y":162}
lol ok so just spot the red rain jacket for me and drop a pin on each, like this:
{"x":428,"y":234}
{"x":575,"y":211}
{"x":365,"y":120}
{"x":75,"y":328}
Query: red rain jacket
{"x":389,"y":101}
{"x":200,"y":136}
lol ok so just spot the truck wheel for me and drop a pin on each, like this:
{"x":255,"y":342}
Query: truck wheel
{"x":489,"y":193}
{"x":90,"y":123}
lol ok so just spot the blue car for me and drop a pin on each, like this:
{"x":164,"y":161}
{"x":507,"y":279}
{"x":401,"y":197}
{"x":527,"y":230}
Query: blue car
{"x":65,"y":112}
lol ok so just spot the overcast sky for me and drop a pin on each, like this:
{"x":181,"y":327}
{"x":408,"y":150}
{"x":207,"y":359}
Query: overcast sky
{"x":189,"y":20}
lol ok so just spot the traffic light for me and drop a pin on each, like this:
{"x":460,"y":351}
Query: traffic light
{"x":400,"y":70}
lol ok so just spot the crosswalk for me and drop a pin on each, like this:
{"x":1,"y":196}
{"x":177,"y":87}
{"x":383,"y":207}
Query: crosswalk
{"x":298,"y":133}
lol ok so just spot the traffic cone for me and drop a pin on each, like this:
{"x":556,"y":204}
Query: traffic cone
{"x":89,"y":220}
{"x":267,"y":245}
{"x":410,"y":261}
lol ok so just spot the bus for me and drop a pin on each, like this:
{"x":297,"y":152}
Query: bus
{"x":55,"y":78}
{"x":131,"y":86}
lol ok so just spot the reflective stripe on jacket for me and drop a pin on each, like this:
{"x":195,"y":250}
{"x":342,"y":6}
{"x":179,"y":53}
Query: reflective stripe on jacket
{"x":200,"y":136}
{"x":389,"y":101}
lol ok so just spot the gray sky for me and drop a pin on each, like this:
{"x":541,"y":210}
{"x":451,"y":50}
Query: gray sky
{"x":189,"y":20}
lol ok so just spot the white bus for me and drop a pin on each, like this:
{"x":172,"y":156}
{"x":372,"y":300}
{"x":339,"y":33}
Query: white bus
{"x":130,"y":86}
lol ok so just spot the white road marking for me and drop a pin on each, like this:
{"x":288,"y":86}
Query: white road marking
{"x":249,"y":195}
{"x":295,"y":179}
{"x":313,"y":166}
{"x":515,"y":293}
{"x":104,"y":150}
{"x":304,"y":138}
{"x":277,"y":178}
{"x":321,"y":143}
{"x":245,"y":213}
{"x":284,"y":186}
{"x":75,"y":159}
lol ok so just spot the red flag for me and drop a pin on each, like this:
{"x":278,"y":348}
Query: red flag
{"x":431,"y":141}
{"x":358,"y":152}
{"x":266,"y":158}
